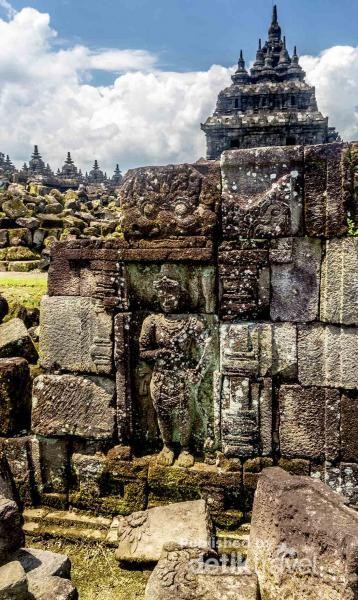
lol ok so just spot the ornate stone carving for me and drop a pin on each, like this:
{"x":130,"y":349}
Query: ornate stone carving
{"x":177,"y":345}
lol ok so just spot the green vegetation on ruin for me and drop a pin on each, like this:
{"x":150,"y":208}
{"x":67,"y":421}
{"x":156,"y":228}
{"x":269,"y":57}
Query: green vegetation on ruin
{"x":96,"y":573}
{"x":25,"y":289}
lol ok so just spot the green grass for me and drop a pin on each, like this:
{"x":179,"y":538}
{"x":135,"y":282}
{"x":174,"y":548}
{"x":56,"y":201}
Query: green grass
{"x":23,"y":288}
{"x":95,"y":571}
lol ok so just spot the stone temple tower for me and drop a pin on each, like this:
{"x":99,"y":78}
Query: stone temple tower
{"x":270,"y":106}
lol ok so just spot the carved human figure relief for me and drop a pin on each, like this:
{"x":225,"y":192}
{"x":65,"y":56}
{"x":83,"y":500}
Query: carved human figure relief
{"x":176,"y":345}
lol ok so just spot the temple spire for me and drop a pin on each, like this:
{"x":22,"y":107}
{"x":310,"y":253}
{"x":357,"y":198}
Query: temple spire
{"x":275,"y":29}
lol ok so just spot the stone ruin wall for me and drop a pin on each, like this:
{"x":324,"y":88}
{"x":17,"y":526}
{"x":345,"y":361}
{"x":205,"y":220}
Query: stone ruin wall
{"x":267,"y":264}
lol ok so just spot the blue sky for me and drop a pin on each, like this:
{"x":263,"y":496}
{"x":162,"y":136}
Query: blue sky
{"x":130,"y":81}
{"x":194,"y":34}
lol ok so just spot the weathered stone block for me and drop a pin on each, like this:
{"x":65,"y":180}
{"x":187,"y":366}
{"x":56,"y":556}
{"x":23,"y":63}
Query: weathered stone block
{"x":142,"y":535}
{"x":15,"y":396}
{"x":11,"y":534}
{"x":303,"y":540}
{"x":244,"y":280}
{"x":262,"y":192}
{"x":327,"y":356}
{"x":191,"y":573}
{"x":245,"y":416}
{"x":349,"y":428}
{"x":76,"y":335}
{"x":16,"y":341}
{"x":309,"y":422}
{"x":73,"y":405}
{"x":13,"y":582}
{"x":123,"y":376}
{"x":252,"y":471}
{"x":295,"y":279}
{"x":40,"y":564}
{"x":259,"y":349}
{"x":325,"y":207}
{"x":339,"y":282}
{"x":18,"y":455}
{"x":52,"y":466}
{"x":52,"y":587}
{"x":175,"y":200}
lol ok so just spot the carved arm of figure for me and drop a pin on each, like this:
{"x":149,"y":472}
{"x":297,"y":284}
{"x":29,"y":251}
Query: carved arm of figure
{"x":148,"y":349}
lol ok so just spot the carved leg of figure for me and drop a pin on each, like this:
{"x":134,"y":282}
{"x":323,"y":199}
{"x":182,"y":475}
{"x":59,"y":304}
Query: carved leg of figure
{"x":166,"y":456}
{"x":185,"y":458}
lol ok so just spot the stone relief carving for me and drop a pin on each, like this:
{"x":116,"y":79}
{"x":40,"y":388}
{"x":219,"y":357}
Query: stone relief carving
{"x":134,"y":528}
{"x":177,"y":345}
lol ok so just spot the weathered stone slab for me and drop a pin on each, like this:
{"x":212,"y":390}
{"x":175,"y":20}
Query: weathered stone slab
{"x":309,"y":422}
{"x":15,"y":396}
{"x":50,"y":457}
{"x":73,"y":405}
{"x":328,"y":356}
{"x":245,"y":409}
{"x":262,"y":192}
{"x":349,"y":428}
{"x":15,"y":341}
{"x":325,"y":207}
{"x":142,"y":535}
{"x":76,"y":335}
{"x":41,"y":563}
{"x":303,"y":540}
{"x":11,"y":534}
{"x":52,"y":587}
{"x":295,"y":279}
{"x":259,"y":349}
{"x":191,"y":573}
{"x":244,"y":280}
{"x":18,"y":455}
{"x":175,"y":200}
{"x":13,"y":582}
{"x":339,"y":282}
{"x":123,"y":377}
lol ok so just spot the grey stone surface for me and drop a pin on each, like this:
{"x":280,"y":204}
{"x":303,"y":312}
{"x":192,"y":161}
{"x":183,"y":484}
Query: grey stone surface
{"x":295,"y":279}
{"x":16,"y":341}
{"x":142,"y":535}
{"x":73,"y":405}
{"x":15,"y":396}
{"x":309,"y":422}
{"x":76,"y":335}
{"x":339,"y":282}
{"x":259,"y":349}
{"x":51,"y":588}
{"x":327,"y":356}
{"x":13,"y":582}
{"x":40,"y":564}
{"x":303,"y":539}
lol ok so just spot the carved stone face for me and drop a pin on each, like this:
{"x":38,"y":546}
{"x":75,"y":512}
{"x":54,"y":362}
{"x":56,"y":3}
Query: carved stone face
{"x":168,"y":293}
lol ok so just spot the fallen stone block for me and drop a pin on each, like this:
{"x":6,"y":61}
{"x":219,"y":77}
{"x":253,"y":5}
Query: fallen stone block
{"x":190,"y":573}
{"x":15,"y":341}
{"x":11,"y":534}
{"x":303,"y":540}
{"x":15,"y":396}
{"x":40,"y":564}
{"x":13,"y":582}
{"x":327,"y":356}
{"x":75,"y":335}
{"x":73,"y":405}
{"x":142,"y":535}
{"x":51,"y":588}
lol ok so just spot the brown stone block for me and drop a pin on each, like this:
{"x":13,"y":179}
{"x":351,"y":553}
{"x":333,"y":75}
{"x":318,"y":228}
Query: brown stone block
{"x":18,"y":455}
{"x":295,"y":279}
{"x":73,"y":405}
{"x":295,"y":466}
{"x":15,"y":396}
{"x":309,"y":422}
{"x":325,"y":200}
{"x":303,"y":539}
{"x":16,"y":341}
{"x":54,"y":465}
{"x":262,"y":192}
{"x":349,"y":428}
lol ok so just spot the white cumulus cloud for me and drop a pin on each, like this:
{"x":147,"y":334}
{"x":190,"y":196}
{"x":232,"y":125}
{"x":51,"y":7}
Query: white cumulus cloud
{"x":147,"y":116}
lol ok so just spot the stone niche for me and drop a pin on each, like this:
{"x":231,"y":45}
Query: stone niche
{"x":218,"y":337}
